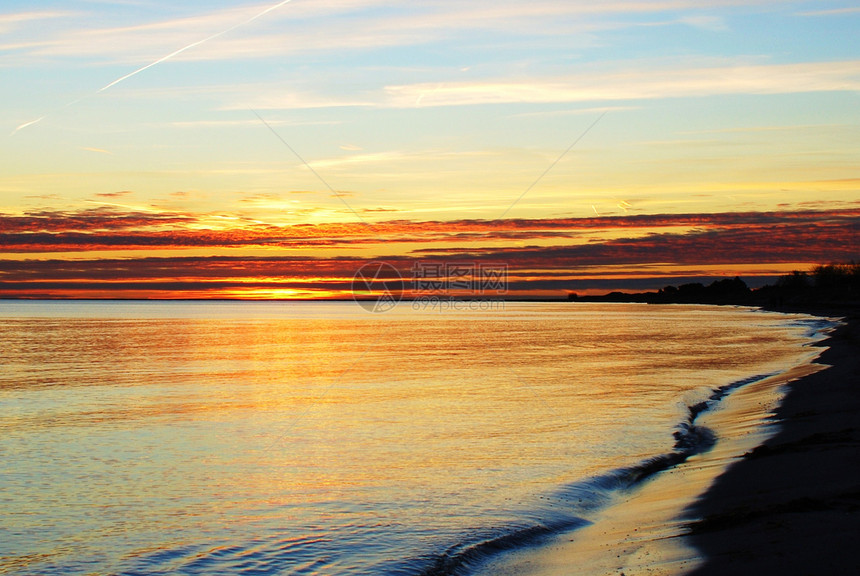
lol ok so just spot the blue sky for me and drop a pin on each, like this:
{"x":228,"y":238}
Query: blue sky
{"x":439,"y":109}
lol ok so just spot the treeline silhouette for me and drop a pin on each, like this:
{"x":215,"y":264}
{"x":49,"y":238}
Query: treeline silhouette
{"x":837,"y":284}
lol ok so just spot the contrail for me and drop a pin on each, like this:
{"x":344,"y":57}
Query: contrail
{"x":25,"y":124}
{"x":193,"y":45}
{"x":163,"y":59}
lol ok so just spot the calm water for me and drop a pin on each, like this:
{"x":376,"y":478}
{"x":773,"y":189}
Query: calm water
{"x":318,"y":438}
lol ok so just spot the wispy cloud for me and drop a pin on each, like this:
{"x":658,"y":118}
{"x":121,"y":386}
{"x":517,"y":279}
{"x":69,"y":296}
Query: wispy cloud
{"x":636,"y":84}
{"x":118,"y":194}
{"x":250,"y":122}
{"x":97,"y":150}
{"x":767,"y":129}
{"x":348,"y":24}
{"x":280,"y":100}
{"x":576,"y":112}
{"x":831,"y":11}
{"x":179,"y":38}
{"x":705,"y":22}
{"x":11,"y":21}
{"x":385,"y":158}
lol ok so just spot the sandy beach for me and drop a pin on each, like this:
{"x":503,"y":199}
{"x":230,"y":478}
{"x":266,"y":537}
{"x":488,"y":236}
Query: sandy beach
{"x":788,"y":502}
{"x":792,"y":506}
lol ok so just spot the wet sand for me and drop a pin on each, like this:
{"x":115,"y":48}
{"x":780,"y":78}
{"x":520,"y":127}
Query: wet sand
{"x":788,"y":503}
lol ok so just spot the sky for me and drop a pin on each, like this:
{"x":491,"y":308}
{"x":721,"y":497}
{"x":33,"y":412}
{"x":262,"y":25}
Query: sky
{"x":153,"y":149}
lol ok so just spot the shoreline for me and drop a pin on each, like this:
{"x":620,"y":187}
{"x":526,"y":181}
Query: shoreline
{"x":792,"y":505}
{"x":676,"y":522}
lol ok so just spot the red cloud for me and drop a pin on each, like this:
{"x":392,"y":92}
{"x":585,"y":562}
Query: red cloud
{"x":111,"y":229}
{"x":682,"y":240}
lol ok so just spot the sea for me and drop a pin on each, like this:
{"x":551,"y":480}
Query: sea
{"x":328,"y":438}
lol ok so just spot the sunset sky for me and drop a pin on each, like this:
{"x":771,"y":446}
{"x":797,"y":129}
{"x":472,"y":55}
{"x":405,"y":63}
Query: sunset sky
{"x":268,"y":149}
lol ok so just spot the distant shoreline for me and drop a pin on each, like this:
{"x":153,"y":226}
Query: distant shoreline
{"x":824,"y":286}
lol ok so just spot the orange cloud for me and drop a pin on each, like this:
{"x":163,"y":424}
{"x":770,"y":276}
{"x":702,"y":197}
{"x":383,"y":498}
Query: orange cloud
{"x":560,"y":252}
{"x":104,"y":228}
